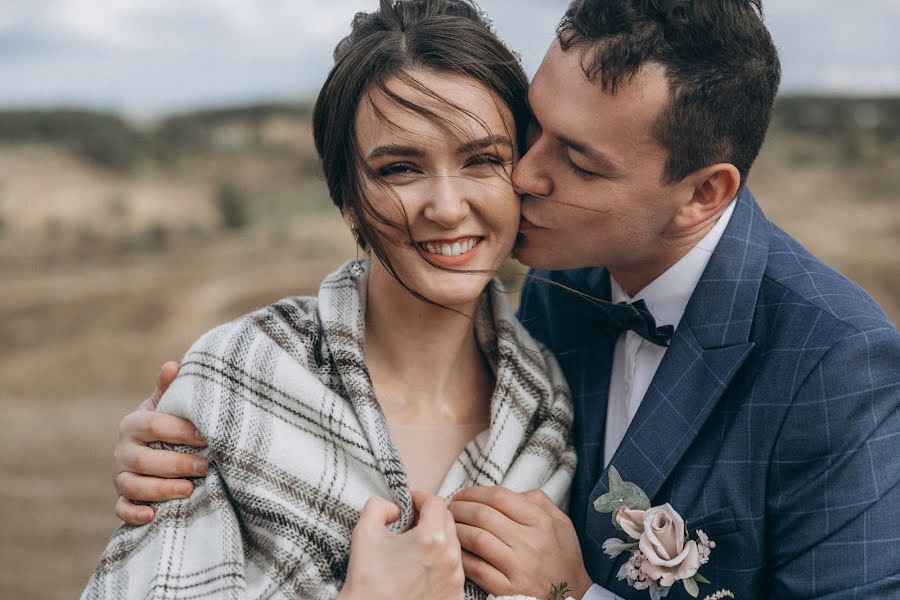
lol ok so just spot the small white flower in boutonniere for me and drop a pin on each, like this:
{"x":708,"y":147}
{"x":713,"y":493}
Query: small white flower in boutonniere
{"x":559,"y":592}
{"x":662,"y":552}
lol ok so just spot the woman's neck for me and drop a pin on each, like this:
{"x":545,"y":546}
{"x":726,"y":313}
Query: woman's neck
{"x":424,"y":360}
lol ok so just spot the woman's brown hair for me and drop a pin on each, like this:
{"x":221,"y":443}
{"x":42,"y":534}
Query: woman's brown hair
{"x":441,"y":36}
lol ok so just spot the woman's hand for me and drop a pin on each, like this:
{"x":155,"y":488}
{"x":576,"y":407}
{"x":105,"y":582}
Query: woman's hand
{"x":143,"y":474}
{"x":424,"y":562}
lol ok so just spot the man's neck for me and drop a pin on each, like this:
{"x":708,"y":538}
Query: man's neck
{"x":634,"y":277}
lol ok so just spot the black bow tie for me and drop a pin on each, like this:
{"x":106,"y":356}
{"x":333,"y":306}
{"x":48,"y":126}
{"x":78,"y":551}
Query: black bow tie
{"x":636,"y":317}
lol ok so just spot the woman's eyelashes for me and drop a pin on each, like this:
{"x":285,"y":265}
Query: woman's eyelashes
{"x":406,"y":169}
{"x":494,"y":160}
{"x":401,"y":169}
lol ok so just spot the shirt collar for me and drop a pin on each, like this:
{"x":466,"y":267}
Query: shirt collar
{"x":667,"y":296}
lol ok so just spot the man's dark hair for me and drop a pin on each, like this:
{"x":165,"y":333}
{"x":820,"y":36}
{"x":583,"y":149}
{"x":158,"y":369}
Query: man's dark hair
{"x":721,"y":64}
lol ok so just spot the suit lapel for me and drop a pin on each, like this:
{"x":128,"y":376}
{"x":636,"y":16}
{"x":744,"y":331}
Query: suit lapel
{"x":588,"y":375}
{"x":709,"y":347}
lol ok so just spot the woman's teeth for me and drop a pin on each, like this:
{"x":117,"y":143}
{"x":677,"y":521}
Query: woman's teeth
{"x":457,"y":248}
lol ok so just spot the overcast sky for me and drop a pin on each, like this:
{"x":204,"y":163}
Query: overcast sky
{"x":146,"y":57}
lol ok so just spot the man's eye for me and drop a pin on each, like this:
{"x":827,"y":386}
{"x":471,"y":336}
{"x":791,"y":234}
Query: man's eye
{"x":583,"y":173}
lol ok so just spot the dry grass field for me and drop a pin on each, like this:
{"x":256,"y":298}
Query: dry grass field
{"x":105,"y":274}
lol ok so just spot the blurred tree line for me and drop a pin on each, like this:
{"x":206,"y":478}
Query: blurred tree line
{"x":108,"y":140}
{"x":210,"y":144}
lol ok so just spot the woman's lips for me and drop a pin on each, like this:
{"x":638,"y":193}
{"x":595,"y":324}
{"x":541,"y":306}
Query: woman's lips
{"x":451,"y":253}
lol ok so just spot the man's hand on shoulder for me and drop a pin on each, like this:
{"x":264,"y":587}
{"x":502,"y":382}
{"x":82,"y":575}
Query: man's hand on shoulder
{"x":517,"y":543}
{"x":144,"y":474}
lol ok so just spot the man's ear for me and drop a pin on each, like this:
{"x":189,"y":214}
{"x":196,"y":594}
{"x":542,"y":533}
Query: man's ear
{"x":711,"y":189}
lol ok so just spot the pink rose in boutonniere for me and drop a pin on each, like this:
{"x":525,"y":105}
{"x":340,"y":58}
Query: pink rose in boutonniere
{"x":660,"y":532}
{"x":661,"y":551}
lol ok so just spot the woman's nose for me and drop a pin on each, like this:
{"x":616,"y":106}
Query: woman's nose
{"x":448,"y":204}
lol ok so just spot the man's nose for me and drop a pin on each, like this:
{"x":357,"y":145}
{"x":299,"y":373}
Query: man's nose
{"x":448,"y":204}
{"x":529,"y":176}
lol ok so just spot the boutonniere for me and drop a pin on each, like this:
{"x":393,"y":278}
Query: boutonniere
{"x":662,"y":552}
{"x":560,"y":592}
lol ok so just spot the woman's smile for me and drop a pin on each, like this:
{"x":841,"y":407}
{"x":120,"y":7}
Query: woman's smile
{"x":451,"y":252}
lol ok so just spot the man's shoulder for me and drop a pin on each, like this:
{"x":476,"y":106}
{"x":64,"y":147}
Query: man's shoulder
{"x":795,"y":280}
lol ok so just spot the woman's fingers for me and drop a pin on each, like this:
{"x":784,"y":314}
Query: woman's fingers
{"x":484,"y":517}
{"x":133,"y":514}
{"x":377,"y":514}
{"x":147,"y":426}
{"x":512,"y":505}
{"x":432,"y":512}
{"x":151,"y":489}
{"x":485,"y":575}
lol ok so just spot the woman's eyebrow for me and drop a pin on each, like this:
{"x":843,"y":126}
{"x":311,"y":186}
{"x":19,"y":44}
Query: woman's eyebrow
{"x":485,"y":142}
{"x":412,"y":152}
{"x":395,"y":150}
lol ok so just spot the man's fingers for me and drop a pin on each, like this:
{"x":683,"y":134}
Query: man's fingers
{"x":511,"y":504}
{"x":133,"y":514}
{"x":485,"y":575}
{"x":147,"y":426}
{"x":167,"y":374}
{"x":159,"y":463}
{"x":151,"y":489}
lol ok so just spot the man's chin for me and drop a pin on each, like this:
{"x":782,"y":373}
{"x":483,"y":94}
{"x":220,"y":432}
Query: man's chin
{"x":530,"y":254}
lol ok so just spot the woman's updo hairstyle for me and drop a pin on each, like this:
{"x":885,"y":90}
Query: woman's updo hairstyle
{"x":440,"y":36}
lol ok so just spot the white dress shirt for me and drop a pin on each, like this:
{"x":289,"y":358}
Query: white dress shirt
{"x":635,"y":360}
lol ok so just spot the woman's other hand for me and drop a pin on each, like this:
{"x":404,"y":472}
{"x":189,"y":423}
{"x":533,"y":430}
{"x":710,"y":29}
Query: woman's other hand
{"x":424,"y":562}
{"x":144,"y":474}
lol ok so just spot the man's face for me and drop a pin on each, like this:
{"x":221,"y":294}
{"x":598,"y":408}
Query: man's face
{"x":592,"y":178}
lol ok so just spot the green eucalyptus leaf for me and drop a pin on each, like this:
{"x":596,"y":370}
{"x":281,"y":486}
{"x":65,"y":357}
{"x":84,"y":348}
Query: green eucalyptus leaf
{"x":701,"y":579}
{"x":691,"y":587}
{"x":615,"y":480}
{"x":634,"y":497}
{"x":608,"y":503}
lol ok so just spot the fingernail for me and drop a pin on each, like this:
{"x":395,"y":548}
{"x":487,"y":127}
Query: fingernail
{"x":184,"y":489}
{"x":200,"y":466}
{"x":199,"y":436}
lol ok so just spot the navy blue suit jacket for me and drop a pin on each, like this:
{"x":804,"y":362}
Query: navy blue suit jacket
{"x":773,"y":422}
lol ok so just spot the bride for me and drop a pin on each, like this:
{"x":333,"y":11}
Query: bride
{"x":404,"y":381}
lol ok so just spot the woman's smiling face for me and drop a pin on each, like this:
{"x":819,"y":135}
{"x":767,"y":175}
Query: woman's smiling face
{"x":447,"y":177}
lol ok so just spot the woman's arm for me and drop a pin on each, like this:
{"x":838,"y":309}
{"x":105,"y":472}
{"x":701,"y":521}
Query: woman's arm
{"x":145,"y":474}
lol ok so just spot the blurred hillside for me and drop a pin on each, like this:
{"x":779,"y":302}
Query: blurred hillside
{"x":122,"y":241}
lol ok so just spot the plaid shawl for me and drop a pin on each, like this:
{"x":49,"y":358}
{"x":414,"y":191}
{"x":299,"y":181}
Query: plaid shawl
{"x":298,"y":444}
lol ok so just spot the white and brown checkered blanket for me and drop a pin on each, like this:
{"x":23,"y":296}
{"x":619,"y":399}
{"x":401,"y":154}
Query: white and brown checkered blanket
{"x":298,"y":443}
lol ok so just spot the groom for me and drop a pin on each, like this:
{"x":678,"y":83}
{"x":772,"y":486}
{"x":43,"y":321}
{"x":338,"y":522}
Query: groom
{"x":770,"y":418}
